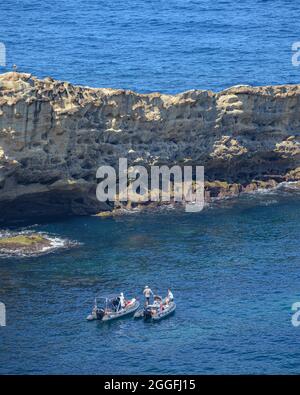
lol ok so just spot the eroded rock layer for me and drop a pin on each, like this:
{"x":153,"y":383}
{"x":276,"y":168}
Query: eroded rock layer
{"x":54,"y":135}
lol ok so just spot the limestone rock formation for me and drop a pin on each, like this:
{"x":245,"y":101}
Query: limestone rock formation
{"x":54,"y":136}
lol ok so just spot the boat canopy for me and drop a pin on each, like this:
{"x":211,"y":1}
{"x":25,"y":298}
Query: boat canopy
{"x":107,"y":300}
{"x":107,"y":297}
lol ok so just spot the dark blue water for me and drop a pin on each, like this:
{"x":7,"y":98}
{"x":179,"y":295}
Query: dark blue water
{"x":147,"y":45}
{"x":234,"y":270}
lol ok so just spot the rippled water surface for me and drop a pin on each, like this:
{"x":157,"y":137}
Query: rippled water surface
{"x":147,"y":45}
{"x":234,"y":270}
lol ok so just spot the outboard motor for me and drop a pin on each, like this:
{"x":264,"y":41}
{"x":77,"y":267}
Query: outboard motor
{"x":100,"y":314}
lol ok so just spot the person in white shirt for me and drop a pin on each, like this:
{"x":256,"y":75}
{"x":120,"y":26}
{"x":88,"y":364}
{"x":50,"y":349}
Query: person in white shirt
{"x":147,"y":293}
{"x":170,"y":296}
{"x":122,"y":300}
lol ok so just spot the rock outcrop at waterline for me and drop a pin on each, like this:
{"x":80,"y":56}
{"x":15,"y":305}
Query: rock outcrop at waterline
{"x":23,"y":243}
{"x":54,"y":135}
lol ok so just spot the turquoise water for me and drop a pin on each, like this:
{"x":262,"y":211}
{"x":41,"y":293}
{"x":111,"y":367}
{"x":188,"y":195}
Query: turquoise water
{"x":234,"y":270}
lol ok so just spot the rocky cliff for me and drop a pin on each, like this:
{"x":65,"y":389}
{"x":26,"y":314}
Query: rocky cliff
{"x":54,"y":135}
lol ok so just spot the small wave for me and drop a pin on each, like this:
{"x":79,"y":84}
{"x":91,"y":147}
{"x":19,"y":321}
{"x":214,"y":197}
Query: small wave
{"x":260,"y":191}
{"x":271,"y":195}
{"x":170,"y":206}
{"x":128,"y":211}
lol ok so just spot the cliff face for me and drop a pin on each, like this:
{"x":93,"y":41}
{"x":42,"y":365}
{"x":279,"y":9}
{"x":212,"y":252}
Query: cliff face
{"x":54,"y":135}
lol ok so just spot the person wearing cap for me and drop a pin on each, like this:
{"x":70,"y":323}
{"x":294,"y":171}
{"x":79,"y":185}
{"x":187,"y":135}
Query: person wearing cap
{"x":147,"y":293}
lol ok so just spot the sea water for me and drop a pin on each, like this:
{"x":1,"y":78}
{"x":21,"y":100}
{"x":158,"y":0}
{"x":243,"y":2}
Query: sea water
{"x":234,"y":268}
{"x":149,"y":45}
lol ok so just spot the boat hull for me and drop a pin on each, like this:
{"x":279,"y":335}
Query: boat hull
{"x":122,"y":313}
{"x":165,"y":313}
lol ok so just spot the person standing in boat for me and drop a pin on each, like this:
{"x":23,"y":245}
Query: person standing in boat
{"x":147,"y":293}
{"x":170,"y":296}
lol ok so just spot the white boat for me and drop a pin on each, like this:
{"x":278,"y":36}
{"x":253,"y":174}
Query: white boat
{"x":108,"y":308}
{"x":157,"y":311}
